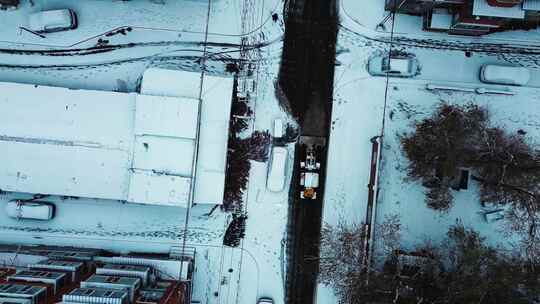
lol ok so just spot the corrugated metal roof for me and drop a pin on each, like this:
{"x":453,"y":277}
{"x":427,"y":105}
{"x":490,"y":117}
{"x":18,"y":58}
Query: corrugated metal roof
{"x":482,"y":8}
{"x":531,"y":5}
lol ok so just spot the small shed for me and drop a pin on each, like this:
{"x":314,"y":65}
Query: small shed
{"x":96,"y":295}
{"x":75,"y":269}
{"x":136,"y":271}
{"x":56,"y":279}
{"x":132,"y":285}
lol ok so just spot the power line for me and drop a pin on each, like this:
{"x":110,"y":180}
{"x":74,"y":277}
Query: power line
{"x":196,"y":150}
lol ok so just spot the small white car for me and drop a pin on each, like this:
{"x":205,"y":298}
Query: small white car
{"x":500,"y":74}
{"x":52,"y":21}
{"x":276,"y":171}
{"x":265,"y":301}
{"x":393,"y":66}
{"x":309,"y":182}
{"x":36,"y":210}
{"x":278,"y":128}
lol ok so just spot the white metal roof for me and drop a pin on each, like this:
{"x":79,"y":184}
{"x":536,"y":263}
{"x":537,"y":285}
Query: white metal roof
{"x":163,"y":82}
{"x":216,"y":98}
{"x":482,"y":8}
{"x":138,"y":148}
{"x":97,"y":144}
{"x":531,"y":5}
{"x":166,"y":116}
{"x":147,"y":187}
{"x":164,"y":155}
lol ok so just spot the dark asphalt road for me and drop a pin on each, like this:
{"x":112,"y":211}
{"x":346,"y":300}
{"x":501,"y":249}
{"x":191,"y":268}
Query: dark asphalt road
{"x":306,"y":79}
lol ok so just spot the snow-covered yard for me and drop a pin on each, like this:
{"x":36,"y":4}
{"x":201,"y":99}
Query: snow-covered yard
{"x":409,"y":101}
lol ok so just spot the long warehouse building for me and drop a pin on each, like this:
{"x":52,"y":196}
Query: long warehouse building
{"x":163,"y":146}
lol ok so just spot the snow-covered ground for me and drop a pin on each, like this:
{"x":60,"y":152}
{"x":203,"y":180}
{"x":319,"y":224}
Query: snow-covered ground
{"x":357,"y":116}
{"x":168,"y":36}
{"x":150,"y":21}
{"x":409,"y":101}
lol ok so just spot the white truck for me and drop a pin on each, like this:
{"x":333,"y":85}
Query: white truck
{"x":309,"y":176}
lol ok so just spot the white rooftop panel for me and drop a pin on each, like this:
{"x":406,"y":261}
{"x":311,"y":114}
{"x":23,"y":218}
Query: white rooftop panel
{"x":162,"y":82}
{"x":212,"y":159}
{"x":79,"y":116}
{"x":209,"y":187}
{"x":482,"y":8}
{"x":150,"y":188}
{"x":166,"y":116}
{"x":63,"y":170}
{"x":531,"y":5}
{"x":164,"y":154}
{"x":216,"y":101}
{"x":115,"y":145}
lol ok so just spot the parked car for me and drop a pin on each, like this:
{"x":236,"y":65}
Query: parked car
{"x":265,"y":301}
{"x":500,"y":74}
{"x":397,"y":66}
{"x":309,"y":175}
{"x":276,"y":172}
{"x":36,"y":210}
{"x":52,"y":21}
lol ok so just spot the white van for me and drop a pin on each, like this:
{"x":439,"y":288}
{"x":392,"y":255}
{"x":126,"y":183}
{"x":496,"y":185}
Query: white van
{"x":278,"y":128}
{"x":36,"y":210}
{"x":276,"y":171}
{"x":52,"y":21}
{"x":500,"y":74}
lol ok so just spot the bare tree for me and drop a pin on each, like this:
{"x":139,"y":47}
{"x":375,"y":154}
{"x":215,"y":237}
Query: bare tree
{"x":389,"y":232}
{"x":342,"y":259}
{"x":342,"y":252}
{"x":505,"y":165}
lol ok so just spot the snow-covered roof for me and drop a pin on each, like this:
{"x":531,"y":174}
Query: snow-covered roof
{"x":531,"y":5}
{"x":216,"y":98}
{"x":109,"y":145}
{"x":441,"y":20}
{"x":482,"y":8}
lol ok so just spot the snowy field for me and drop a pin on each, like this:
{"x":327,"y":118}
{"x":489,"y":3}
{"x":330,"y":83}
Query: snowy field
{"x":409,"y":101}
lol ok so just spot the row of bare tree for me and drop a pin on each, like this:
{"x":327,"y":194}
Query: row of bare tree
{"x":462,"y":268}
